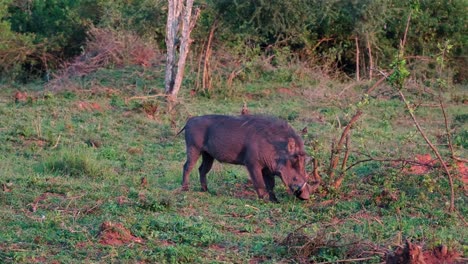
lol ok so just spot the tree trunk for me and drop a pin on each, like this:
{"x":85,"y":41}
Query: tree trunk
{"x":206,"y":65}
{"x":357,"y":59}
{"x":178,"y":13}
{"x":172,"y":27}
{"x":369,"y":51}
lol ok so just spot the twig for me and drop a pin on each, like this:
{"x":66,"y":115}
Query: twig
{"x":449,"y":136}
{"x":253,"y":207}
{"x":147,"y":97}
{"x":406,"y":32}
{"x":385,"y":76}
{"x":346,"y":260}
{"x":434,"y":149}
{"x":320,"y":42}
{"x":57,"y":142}
{"x":357,"y":163}
{"x":346,"y":88}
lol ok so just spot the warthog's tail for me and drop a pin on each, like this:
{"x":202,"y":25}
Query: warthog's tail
{"x":180,"y":131}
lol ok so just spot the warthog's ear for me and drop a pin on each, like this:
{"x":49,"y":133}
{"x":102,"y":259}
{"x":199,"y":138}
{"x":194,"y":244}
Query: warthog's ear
{"x":291,"y":145}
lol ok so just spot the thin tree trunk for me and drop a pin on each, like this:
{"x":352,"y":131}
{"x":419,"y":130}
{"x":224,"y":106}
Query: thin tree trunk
{"x":371,"y":61}
{"x":356,"y":39}
{"x":206,"y":65}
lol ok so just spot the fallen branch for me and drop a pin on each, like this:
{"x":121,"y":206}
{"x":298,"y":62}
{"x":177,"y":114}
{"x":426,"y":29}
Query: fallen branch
{"x":146,"y":97}
{"x":385,"y":76}
{"x":434,"y":149}
{"x":346,"y":260}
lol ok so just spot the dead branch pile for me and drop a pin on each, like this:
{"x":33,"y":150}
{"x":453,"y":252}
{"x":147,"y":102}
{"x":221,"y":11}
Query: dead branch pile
{"x":106,"y":47}
{"x":304,"y":246}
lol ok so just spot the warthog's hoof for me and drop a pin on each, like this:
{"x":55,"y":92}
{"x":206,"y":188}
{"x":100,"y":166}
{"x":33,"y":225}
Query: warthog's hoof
{"x":204,"y":188}
{"x":184,"y":188}
{"x":273,"y":198}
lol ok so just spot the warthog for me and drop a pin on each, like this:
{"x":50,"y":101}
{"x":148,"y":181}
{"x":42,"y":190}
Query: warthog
{"x":267,"y":146}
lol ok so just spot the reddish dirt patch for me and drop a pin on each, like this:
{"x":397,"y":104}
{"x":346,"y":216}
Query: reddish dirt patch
{"x":83,"y":245}
{"x":134,"y":151}
{"x":217,"y":247}
{"x":441,"y":255}
{"x":167,"y":243}
{"x":462,"y":173}
{"x":87,"y":106}
{"x":20,"y":96}
{"x":413,"y":254}
{"x":425,"y":162}
{"x":38,"y":260}
{"x":284,"y":90}
{"x":423,"y":166}
{"x":121,"y":200}
{"x":259,"y":259}
{"x":115,"y":234}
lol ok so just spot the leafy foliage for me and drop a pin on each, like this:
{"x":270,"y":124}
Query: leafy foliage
{"x":317,"y":33}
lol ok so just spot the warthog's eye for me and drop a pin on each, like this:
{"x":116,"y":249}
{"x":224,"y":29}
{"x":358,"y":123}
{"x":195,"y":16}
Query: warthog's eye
{"x":296,"y":158}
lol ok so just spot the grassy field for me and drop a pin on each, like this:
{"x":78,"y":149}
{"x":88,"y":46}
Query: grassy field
{"x":92,"y":175}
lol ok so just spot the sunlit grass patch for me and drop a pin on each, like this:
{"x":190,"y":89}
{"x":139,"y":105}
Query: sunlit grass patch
{"x":77,"y":162}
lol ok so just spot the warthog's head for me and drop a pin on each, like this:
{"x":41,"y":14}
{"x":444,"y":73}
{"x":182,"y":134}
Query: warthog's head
{"x":292,"y":169}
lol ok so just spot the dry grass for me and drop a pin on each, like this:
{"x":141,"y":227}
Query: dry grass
{"x":104,"y":48}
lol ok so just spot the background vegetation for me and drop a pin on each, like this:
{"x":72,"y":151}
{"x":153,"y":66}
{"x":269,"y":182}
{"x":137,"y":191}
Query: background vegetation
{"x":91,"y":168}
{"x":38,"y":36}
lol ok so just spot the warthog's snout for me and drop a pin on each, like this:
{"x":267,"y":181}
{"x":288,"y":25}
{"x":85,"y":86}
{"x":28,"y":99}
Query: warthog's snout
{"x":301,"y":191}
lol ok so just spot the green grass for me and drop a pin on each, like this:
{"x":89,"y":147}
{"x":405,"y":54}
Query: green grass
{"x":68,"y":170}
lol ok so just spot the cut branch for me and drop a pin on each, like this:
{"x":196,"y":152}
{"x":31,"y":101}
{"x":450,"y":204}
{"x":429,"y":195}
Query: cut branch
{"x":336,"y":149}
{"x":340,"y":179}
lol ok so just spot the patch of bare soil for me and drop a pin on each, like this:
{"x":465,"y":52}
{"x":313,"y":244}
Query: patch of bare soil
{"x":424,"y":164}
{"x":259,"y":259}
{"x":286,"y":91}
{"x":115,"y":234}
{"x":88,"y":106}
{"x":413,"y":254}
{"x":20,"y":96}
